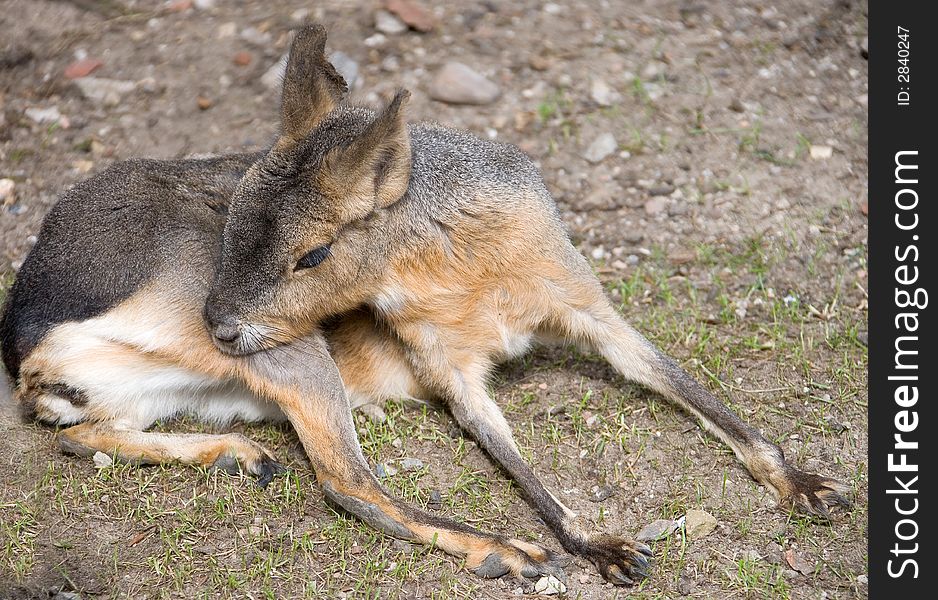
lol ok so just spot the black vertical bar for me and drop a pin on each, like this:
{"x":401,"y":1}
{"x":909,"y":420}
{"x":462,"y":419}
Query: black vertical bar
{"x":903,"y":229}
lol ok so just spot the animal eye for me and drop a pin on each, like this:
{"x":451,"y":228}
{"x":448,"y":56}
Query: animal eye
{"x":312,"y":258}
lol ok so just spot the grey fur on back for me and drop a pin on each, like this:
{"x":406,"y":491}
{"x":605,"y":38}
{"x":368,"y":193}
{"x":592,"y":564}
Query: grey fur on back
{"x":110,"y":234}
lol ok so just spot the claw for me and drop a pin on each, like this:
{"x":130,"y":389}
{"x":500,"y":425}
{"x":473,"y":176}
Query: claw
{"x":267,"y":470}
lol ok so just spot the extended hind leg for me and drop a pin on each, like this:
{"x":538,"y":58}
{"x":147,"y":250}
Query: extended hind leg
{"x":581,"y":311}
{"x":111,"y":393}
{"x":459,"y":378}
{"x":231,"y":452}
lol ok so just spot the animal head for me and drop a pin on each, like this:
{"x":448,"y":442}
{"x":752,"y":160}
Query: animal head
{"x":298,"y":244}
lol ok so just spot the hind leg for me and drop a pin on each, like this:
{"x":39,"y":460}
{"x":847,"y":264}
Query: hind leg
{"x":459,"y":377}
{"x":110,"y":394}
{"x":231,"y":452}
{"x":581,"y":311}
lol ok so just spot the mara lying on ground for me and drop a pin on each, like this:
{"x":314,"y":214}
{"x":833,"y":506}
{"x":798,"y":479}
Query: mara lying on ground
{"x":358,"y":259}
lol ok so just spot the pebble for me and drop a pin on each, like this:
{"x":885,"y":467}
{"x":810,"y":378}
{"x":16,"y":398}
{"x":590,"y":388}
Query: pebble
{"x":242,"y":59}
{"x":657,"y":530}
{"x":601,"y":493}
{"x":602,"y":147}
{"x":388,"y":23}
{"x":821,"y":152}
{"x":44,"y":115}
{"x":108,"y":92}
{"x":410,"y":464}
{"x":373,"y":41}
{"x":373,"y":412}
{"x":82,"y":68}
{"x":7,"y":188}
{"x":699,"y":523}
{"x":604,"y":95}
{"x":257,"y":37}
{"x":598,"y":253}
{"x":227,"y":30}
{"x":549,"y":586}
{"x":102,"y":460}
{"x":413,"y":13}
{"x":656,"y":205}
{"x":436,"y":500}
{"x":383,"y":470}
{"x":457,"y":83}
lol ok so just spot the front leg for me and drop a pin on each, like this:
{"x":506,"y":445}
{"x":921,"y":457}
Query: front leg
{"x":304,"y":381}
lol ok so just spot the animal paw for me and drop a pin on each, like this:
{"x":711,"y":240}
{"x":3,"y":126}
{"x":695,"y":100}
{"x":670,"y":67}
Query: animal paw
{"x":502,"y":556}
{"x":812,"y":494}
{"x":620,"y":561}
{"x":245,"y":456}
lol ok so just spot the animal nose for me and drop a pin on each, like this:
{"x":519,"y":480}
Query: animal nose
{"x":223,"y":326}
{"x":227,"y":330}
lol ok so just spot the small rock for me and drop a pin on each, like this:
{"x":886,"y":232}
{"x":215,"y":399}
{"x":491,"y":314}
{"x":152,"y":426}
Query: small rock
{"x":656,"y":530}
{"x":388,"y":23}
{"x":601,"y":493}
{"x":204,"y":103}
{"x":539,"y":62}
{"x":686,"y":585}
{"x":102,"y":460}
{"x":456,"y":83}
{"x":44,"y":115}
{"x":227,"y":30}
{"x":436,"y":500}
{"x":602,"y":147}
{"x":865,"y":208}
{"x":82,"y":68}
{"x":413,"y":13}
{"x":681,"y":257}
{"x":179,"y":6}
{"x":410,"y":464}
{"x":863,"y":580}
{"x":656,"y":205}
{"x":699,"y":523}
{"x":257,"y":37}
{"x":751,"y":556}
{"x":598,"y":253}
{"x":604,"y":95}
{"x":108,"y":92}
{"x":797,"y":562}
{"x":204,"y":4}
{"x":242,"y":59}
{"x":7,"y":188}
{"x":549,"y":586}
{"x":373,"y":412}
{"x":661,"y":190}
{"x":821,"y":152}
{"x":382,"y":470}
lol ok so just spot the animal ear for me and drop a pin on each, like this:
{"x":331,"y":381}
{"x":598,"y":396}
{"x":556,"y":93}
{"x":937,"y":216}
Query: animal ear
{"x":374,"y":170}
{"x":312,"y":87}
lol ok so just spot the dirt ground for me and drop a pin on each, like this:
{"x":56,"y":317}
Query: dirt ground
{"x":728,"y":223}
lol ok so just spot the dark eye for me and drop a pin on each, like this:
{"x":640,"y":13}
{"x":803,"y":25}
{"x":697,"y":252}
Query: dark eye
{"x":312,"y":258}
